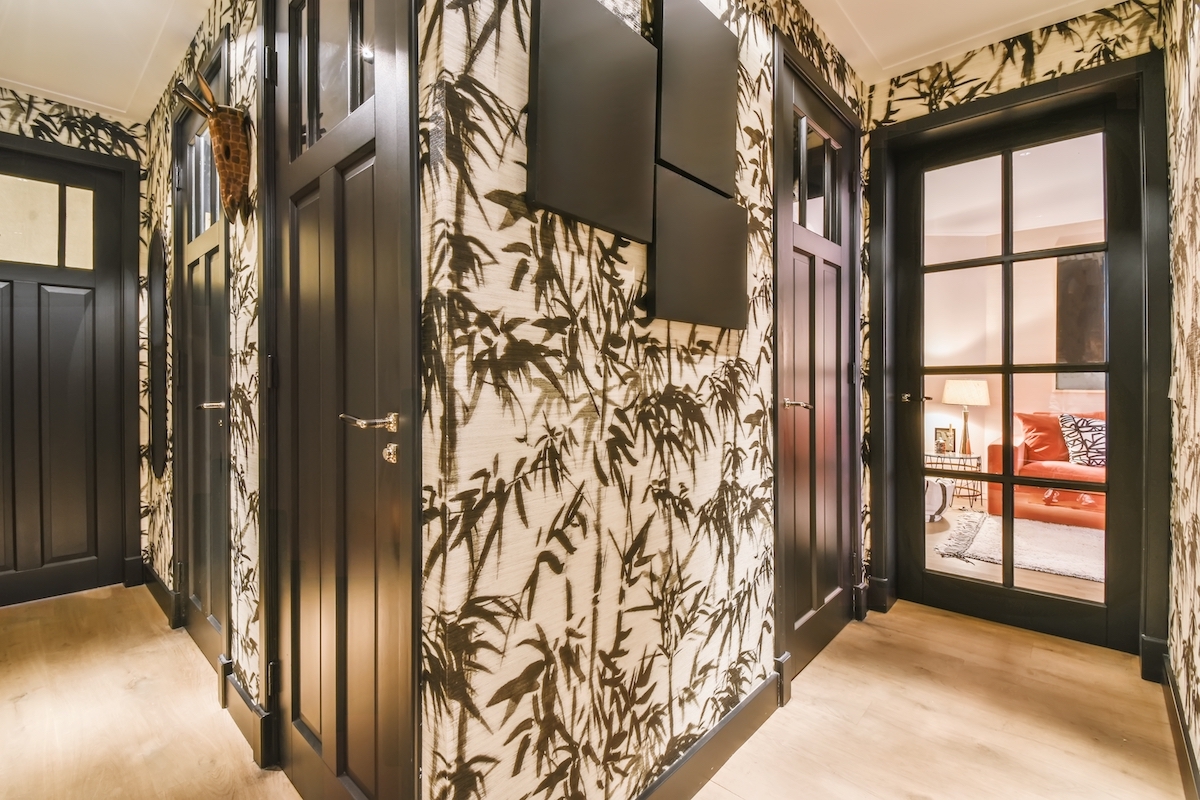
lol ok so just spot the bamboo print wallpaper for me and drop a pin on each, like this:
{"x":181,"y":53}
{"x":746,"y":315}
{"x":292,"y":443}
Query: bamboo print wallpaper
{"x":239,"y":20}
{"x":599,"y":487}
{"x":1182,"y":19}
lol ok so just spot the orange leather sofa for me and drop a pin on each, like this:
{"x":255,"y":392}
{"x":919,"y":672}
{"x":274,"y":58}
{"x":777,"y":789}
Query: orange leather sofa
{"x":1038,"y":455}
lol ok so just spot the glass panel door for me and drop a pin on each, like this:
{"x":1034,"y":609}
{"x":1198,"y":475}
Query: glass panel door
{"x":1015,"y":364}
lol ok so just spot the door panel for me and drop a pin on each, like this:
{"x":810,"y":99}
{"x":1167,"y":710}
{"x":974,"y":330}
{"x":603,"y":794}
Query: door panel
{"x":336,"y":543}
{"x":66,"y":366}
{"x":812,"y":372}
{"x":60,"y":392}
{"x":999,"y":356}
{"x":346,"y":400}
{"x":202,"y":413}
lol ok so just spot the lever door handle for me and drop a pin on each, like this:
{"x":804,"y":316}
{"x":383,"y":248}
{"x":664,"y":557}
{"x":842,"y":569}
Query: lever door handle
{"x":789,"y":403}
{"x":211,"y":406}
{"x":390,"y":423}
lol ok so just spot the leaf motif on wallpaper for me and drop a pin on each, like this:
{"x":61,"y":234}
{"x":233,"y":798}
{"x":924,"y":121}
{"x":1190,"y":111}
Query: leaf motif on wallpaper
{"x":596,"y":482}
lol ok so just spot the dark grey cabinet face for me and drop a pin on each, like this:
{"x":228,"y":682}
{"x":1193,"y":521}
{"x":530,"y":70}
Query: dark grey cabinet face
{"x":60,"y":415}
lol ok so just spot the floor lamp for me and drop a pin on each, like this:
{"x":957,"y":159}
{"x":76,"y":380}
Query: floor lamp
{"x":966,"y":393}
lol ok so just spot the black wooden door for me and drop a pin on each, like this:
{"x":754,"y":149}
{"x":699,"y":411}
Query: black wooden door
{"x":345,"y":437}
{"x":203,"y":392}
{"x":1021,"y":275}
{"x":60,"y":414}
{"x":814,"y":391}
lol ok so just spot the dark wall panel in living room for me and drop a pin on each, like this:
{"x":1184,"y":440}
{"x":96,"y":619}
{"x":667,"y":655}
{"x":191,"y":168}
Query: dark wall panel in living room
{"x":698,"y":260}
{"x":698,"y":103}
{"x":593,"y":89}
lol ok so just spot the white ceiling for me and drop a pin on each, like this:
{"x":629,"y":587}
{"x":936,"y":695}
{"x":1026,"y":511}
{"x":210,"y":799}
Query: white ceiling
{"x":885,"y":38}
{"x":116,"y":56}
{"x":112,"y":56}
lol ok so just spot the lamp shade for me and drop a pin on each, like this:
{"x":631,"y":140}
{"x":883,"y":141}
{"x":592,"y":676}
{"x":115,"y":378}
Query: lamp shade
{"x":966,"y":393}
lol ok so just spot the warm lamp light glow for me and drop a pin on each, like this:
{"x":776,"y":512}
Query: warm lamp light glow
{"x":966,"y":393}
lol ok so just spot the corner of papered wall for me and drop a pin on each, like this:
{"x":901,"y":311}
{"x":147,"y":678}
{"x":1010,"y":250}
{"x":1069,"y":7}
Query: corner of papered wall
{"x":1182,"y":22}
{"x":598,"y":487}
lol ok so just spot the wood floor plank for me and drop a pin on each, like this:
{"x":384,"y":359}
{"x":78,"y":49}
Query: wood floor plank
{"x":99,"y":699}
{"x":922,"y":703}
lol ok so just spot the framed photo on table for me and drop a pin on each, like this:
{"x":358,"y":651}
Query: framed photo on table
{"x":944,"y":440}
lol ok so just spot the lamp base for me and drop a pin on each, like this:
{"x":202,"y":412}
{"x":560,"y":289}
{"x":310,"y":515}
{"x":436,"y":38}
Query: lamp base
{"x":966,"y":439}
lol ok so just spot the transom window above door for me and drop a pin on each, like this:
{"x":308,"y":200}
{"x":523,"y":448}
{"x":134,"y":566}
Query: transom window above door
{"x":44,"y":223}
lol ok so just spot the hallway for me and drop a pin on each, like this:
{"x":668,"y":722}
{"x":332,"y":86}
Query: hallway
{"x":99,"y":699}
{"x":922,"y":703}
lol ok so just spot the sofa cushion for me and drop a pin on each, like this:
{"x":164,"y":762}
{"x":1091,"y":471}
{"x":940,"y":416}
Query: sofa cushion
{"x":1062,"y":471}
{"x":1087,"y":440}
{"x":1043,"y":438}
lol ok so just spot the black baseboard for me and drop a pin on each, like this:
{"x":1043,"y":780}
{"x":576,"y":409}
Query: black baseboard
{"x":689,"y":774}
{"x":170,"y":602}
{"x":880,"y":595}
{"x":134,"y":574}
{"x":254,"y":722}
{"x":1188,"y":769}
{"x":861,"y":602}
{"x":1153,"y":652}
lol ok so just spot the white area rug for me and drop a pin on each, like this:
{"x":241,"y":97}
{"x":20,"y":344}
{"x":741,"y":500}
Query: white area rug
{"x":1039,"y":546}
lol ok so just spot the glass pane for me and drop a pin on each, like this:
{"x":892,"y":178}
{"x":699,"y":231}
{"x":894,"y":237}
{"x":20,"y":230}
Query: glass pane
{"x":964,"y":317}
{"x":333,"y":64}
{"x":799,"y":131}
{"x":1058,"y":541}
{"x":1058,"y":194}
{"x":367,"y":49}
{"x":79,"y":228}
{"x":964,"y":422}
{"x":815,"y":171}
{"x":1060,"y":433}
{"x":204,"y":207}
{"x":962,"y":211}
{"x":960,"y":530}
{"x":1059,"y":311}
{"x":298,"y":26}
{"x":28,"y":221}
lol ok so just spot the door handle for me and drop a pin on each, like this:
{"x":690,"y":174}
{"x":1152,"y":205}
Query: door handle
{"x":211,"y":406}
{"x":391,"y":422}
{"x":789,"y":403}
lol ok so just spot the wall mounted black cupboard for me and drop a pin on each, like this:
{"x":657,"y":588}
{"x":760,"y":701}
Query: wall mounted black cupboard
{"x":641,"y":141}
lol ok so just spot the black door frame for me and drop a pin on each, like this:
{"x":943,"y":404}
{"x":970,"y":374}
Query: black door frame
{"x":216,"y":60}
{"x":1148,"y":72}
{"x":128,"y":173}
{"x":788,"y":57}
{"x":397,"y":154}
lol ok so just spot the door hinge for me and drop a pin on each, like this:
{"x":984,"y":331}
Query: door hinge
{"x":272,"y":678}
{"x":180,"y":570}
{"x":272,"y":65}
{"x":270,"y":372}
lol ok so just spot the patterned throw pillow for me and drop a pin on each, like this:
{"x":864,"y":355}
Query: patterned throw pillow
{"x":1087,"y":440}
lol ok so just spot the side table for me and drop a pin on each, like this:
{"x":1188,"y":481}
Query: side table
{"x":970,"y":490}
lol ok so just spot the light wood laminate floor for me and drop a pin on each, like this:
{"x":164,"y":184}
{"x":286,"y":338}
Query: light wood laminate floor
{"x":921,"y":703}
{"x":100,"y":699}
